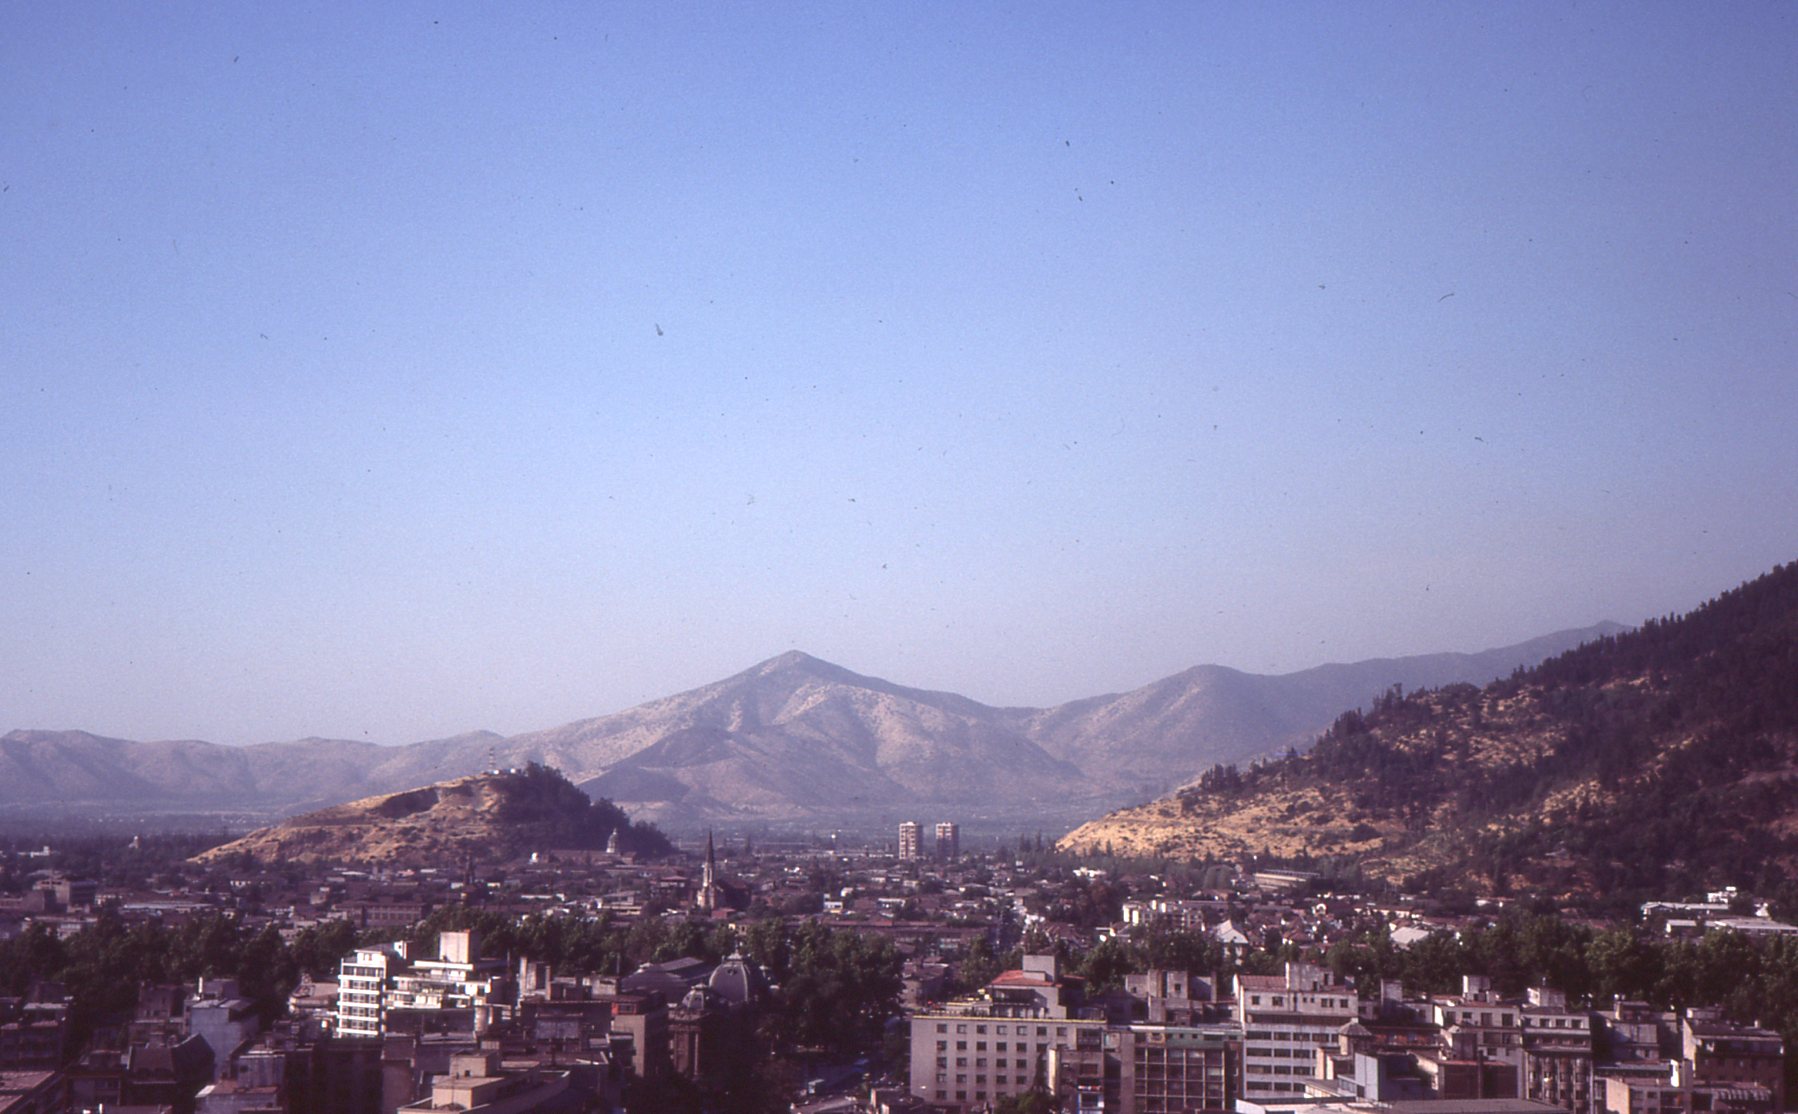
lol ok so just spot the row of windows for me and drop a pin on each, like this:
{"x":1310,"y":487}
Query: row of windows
{"x":1301,"y":1000}
{"x":942,"y":1079}
{"x":980,"y":1046}
{"x":1000,"y":1030}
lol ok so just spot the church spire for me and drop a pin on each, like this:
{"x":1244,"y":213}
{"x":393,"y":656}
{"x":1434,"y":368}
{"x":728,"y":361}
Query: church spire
{"x":708,"y":877}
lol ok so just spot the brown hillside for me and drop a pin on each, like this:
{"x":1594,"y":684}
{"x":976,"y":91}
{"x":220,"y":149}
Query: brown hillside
{"x":487,"y":816}
{"x":1664,"y":757}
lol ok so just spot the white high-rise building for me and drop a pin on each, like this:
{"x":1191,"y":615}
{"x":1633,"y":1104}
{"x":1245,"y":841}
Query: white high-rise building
{"x":361,"y":987}
{"x":909,"y":833}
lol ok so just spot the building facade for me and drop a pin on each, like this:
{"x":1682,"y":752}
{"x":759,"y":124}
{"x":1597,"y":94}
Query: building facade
{"x":1285,"y":1019}
{"x":909,"y":844}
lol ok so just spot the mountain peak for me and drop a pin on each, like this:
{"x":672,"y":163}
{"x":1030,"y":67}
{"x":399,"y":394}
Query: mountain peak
{"x":792,"y":659}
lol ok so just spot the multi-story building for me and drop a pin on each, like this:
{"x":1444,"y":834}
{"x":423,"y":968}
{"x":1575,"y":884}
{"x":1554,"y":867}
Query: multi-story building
{"x":1635,"y":1031}
{"x":377,"y":984}
{"x":1717,"y":1053}
{"x":1674,"y":1092}
{"x":1285,"y":1019}
{"x":973,"y":1052}
{"x":362,"y":987}
{"x":1178,"y":1069}
{"x":948,"y":840}
{"x":909,"y":850}
{"x":1557,"y":1052}
{"x":1479,"y":1020}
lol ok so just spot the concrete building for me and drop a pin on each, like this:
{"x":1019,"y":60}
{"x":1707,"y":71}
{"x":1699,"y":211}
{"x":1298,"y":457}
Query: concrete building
{"x":1480,"y":1022}
{"x":948,"y":840}
{"x":362,"y":987}
{"x":973,"y":1052}
{"x":1285,"y":1019}
{"x":1557,"y":1052}
{"x":382,"y":989}
{"x":1717,"y":1053}
{"x":909,"y":849}
{"x":1031,"y":1029}
{"x":477,"y":1084}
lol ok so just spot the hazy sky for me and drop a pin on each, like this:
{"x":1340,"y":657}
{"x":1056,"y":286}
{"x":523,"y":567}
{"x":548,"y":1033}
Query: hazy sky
{"x":387,"y":371}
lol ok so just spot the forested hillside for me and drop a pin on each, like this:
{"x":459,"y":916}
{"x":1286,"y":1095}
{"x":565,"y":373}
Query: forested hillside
{"x":1659,"y":759}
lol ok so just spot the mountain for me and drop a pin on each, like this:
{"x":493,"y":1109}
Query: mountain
{"x":78,"y":771}
{"x":1157,"y":737}
{"x":791,"y":740}
{"x":489,"y":816}
{"x":1653,"y":760}
{"x":799,"y":736}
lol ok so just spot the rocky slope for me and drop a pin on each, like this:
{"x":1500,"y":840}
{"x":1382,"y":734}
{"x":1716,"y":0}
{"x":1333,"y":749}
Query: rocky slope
{"x":1666,"y":756}
{"x":485,"y":817}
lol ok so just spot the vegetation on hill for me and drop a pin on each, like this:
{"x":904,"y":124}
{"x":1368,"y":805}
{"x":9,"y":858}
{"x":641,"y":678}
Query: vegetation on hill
{"x":480,"y":817}
{"x":558,"y":814}
{"x":1658,"y":760}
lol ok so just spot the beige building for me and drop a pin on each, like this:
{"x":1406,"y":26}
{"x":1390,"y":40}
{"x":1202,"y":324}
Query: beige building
{"x":1285,"y":1019}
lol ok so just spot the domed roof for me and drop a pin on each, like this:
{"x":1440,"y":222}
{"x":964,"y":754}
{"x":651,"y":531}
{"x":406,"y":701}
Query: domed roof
{"x":738,"y":981}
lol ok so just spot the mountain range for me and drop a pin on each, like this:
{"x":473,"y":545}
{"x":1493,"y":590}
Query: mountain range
{"x":1662,"y":759}
{"x":793,"y":740}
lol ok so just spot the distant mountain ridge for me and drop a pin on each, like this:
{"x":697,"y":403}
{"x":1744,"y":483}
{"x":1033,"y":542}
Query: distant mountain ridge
{"x":792,"y":739}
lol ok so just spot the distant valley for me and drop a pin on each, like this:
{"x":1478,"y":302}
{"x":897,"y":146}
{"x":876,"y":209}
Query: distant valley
{"x":793,"y":741}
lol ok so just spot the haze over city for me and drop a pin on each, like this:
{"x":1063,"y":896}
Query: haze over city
{"x":417,"y":370}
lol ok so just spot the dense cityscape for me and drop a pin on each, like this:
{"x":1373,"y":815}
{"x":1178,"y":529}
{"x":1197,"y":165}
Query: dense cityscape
{"x":893,"y":558}
{"x":911,"y":974}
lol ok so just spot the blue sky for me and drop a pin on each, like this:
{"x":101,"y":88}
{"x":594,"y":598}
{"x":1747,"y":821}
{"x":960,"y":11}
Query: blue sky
{"x":392,"y":373}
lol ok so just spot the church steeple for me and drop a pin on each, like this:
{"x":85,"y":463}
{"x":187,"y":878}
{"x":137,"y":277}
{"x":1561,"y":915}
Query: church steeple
{"x":708,"y":877}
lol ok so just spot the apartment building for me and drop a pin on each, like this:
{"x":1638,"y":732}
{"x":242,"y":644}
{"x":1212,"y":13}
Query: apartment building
{"x":1557,"y":1052}
{"x":1718,"y":1053}
{"x":362,"y":988}
{"x":1479,"y":1021}
{"x":1285,"y":1019}
{"x":376,"y":985}
{"x":948,"y":840}
{"x":909,"y":841}
{"x":976,"y":1051}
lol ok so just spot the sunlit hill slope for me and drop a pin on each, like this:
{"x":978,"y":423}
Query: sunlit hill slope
{"x":1661,"y":757}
